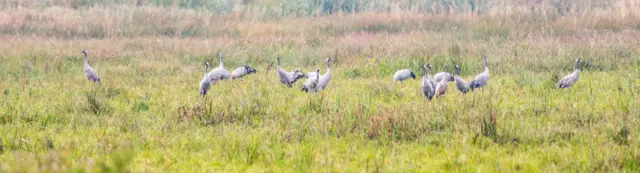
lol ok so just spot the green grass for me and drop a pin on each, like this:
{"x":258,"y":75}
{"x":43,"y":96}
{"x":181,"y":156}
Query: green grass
{"x":59,"y":121}
{"x":147,"y":116}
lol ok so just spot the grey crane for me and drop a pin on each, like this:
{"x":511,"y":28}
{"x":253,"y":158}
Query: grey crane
{"x":311,"y":84}
{"x":324,"y":79}
{"x":219,"y":73}
{"x":572,"y":78}
{"x":481,"y":79}
{"x":427,"y":84}
{"x":288,"y":78}
{"x":91,"y":73}
{"x":312,"y":74}
{"x":441,"y":88}
{"x":461,"y":84}
{"x":242,"y":71}
{"x":443,"y":75}
{"x":295,"y":75}
{"x":402,"y":75}
{"x":205,"y":83}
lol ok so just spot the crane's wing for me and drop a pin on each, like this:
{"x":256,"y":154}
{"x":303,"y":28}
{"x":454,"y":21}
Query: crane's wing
{"x":91,"y":73}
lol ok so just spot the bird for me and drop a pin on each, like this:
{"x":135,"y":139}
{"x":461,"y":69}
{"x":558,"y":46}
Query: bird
{"x":288,"y":78}
{"x":311,"y":74}
{"x":481,"y":79}
{"x":91,"y":73}
{"x":427,"y":83}
{"x":441,"y":88}
{"x":443,"y":75}
{"x":311,"y":84}
{"x":242,"y":71}
{"x":324,"y":79}
{"x":219,"y":73}
{"x":205,"y":83}
{"x":295,"y":75}
{"x":461,"y":84}
{"x":572,"y":78}
{"x":402,"y":75}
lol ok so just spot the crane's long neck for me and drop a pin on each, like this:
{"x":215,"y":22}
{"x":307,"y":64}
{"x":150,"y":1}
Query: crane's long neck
{"x":206,"y":68}
{"x":278,"y":62}
{"x":424,"y":71}
{"x":577,"y":66}
{"x":86,"y":60}
{"x":486,"y":67}
{"x":220,"y":57}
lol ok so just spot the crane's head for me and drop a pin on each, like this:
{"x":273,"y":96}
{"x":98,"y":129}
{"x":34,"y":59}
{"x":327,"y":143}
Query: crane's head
{"x":206,"y":64}
{"x":450,"y":78}
{"x":457,"y":70}
{"x":577,"y":66}
{"x":328,"y":62}
{"x":298,"y":74}
{"x":429,"y":65}
{"x":249,"y":69}
{"x":85,"y":53}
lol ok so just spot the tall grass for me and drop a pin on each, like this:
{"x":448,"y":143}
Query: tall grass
{"x":146,"y":114}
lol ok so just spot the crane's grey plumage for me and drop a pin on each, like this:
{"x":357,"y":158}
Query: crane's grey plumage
{"x":441,"y":88}
{"x":311,"y":84}
{"x":443,"y":75}
{"x":427,"y":84}
{"x":205,"y":83}
{"x":288,"y":78}
{"x":242,"y":71}
{"x":324,"y":79}
{"x":312,"y":74}
{"x":295,"y":75}
{"x":572,"y":78}
{"x":461,"y":84}
{"x":481,"y":79}
{"x":219,"y":73}
{"x":91,"y":73}
{"x":402,"y":75}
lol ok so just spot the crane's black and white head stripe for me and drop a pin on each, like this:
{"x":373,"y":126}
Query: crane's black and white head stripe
{"x":328,"y":62}
{"x":298,"y":74}
{"x":248,"y":69}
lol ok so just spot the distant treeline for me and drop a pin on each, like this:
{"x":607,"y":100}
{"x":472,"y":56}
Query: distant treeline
{"x":279,"y":8}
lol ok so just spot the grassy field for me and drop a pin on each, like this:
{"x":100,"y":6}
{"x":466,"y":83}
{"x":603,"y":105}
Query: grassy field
{"x":147,"y":116}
